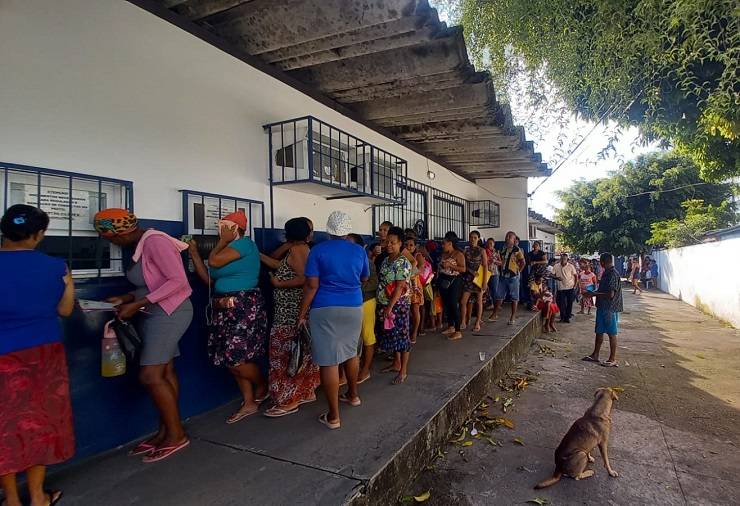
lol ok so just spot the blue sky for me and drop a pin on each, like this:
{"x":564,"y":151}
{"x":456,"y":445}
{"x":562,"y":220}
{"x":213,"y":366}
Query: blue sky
{"x":584,"y":162}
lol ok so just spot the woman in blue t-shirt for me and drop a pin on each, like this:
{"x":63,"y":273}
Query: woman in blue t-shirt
{"x":335,"y":271}
{"x":36,"y":414}
{"x":238,"y":330}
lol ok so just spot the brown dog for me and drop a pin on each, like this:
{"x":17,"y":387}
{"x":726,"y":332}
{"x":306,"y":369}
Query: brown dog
{"x":586,"y":433}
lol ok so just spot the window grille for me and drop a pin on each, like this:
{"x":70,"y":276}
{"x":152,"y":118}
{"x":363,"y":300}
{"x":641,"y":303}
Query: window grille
{"x":484,"y":213}
{"x":411,"y":212}
{"x":202,"y":211}
{"x":443,"y":213}
{"x":448,"y":215}
{"x":71,"y":201}
{"x":314,"y":157}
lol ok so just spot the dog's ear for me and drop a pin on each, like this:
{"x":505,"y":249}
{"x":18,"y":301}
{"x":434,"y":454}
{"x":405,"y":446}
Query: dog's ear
{"x":597,"y":392}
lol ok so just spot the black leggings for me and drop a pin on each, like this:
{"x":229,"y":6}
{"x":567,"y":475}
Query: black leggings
{"x":451,"y":299}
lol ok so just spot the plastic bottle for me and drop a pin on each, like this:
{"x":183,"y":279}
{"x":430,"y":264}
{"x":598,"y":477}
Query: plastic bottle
{"x":112,"y":359}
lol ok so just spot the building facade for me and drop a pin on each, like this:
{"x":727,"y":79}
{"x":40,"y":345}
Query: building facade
{"x":108,"y":103}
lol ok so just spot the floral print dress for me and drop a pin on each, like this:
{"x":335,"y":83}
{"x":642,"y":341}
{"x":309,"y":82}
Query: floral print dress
{"x":397,"y":338}
{"x":284,"y":390}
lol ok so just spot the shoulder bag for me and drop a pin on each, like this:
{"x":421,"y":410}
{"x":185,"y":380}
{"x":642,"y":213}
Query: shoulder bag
{"x":299,"y":349}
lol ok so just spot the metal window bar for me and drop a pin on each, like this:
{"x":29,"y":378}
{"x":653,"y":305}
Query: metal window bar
{"x":353,"y":165}
{"x":446,"y":212}
{"x":252,"y":207}
{"x":484,"y":213}
{"x":125,"y":187}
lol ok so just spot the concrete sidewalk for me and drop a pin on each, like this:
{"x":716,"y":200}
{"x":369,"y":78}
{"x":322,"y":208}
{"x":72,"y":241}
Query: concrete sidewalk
{"x":675,"y":430}
{"x":295,"y":460}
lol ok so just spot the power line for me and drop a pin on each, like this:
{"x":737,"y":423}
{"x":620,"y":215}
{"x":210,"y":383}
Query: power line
{"x":610,"y":109}
{"x":567,"y":157}
{"x":665,"y":191}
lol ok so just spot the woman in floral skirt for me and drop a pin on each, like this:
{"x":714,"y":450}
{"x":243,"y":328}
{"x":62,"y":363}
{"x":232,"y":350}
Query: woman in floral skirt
{"x":238,"y":332}
{"x":287,"y":392}
{"x":394,"y":305}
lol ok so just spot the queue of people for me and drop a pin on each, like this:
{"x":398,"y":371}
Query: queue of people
{"x":350,"y":298}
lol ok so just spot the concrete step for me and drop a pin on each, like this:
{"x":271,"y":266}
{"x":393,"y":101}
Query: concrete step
{"x":381,"y":446}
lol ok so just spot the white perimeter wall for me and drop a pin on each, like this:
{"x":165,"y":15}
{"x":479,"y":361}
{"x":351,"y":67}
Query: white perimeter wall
{"x":704,"y":276}
{"x":102,"y":87}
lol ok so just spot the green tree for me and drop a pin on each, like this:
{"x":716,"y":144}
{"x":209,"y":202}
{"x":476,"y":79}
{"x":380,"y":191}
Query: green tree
{"x":670,"y":67}
{"x":616,"y":213}
{"x":698,"y":220}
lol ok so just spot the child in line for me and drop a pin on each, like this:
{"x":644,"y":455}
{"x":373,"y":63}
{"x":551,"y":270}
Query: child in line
{"x":587,"y":283}
{"x":547,"y":306}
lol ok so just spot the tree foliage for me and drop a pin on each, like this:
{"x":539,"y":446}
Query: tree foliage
{"x":699,"y":219}
{"x":616,"y":213}
{"x":670,"y":67}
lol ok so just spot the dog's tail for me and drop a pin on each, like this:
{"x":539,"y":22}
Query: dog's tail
{"x":550,"y":481}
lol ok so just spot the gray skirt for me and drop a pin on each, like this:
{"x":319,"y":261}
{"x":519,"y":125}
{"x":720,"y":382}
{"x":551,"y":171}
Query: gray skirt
{"x":161,"y":332}
{"x":334,"y":334}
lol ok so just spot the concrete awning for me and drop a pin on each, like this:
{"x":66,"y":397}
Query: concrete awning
{"x":391,"y":63}
{"x":543,"y":223}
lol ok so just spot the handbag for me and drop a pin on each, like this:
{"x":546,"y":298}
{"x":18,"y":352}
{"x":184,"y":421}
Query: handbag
{"x":481,"y":277}
{"x":445,"y":282}
{"x":299,"y":348}
{"x":128,"y":338}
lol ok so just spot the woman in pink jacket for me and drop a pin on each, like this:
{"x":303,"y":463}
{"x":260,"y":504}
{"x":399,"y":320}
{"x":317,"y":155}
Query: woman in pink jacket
{"x":161,"y":311}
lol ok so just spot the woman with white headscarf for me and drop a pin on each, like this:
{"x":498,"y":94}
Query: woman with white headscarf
{"x":334,"y":272}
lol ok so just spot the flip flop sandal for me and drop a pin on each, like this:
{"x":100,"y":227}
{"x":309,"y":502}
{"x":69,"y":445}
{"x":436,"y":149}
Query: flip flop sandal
{"x":361,"y":381}
{"x":589,"y":358}
{"x":453,"y":337}
{"x":398,"y":380}
{"x":52,"y":500}
{"x":275,"y":412}
{"x":610,"y":364}
{"x":352,"y":402}
{"x":306,"y":401}
{"x":324,"y":420}
{"x":163,"y":452}
{"x":511,"y":322}
{"x":262,"y":399}
{"x":492,"y":318}
{"x":240,"y":416}
{"x":142,"y":448}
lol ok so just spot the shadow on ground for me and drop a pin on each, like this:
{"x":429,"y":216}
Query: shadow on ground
{"x":676,"y":427}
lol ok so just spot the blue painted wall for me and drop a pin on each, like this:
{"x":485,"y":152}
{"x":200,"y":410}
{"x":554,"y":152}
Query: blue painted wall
{"x":109,"y":412}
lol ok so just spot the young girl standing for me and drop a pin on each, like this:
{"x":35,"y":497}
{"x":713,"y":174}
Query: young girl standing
{"x":586,"y":280}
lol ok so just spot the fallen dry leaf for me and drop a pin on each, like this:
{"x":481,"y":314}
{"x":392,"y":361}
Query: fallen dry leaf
{"x":505,"y":422}
{"x":462,"y":436}
{"x":423,"y":497}
{"x":467,"y":443}
{"x":537,"y":500}
{"x":519,"y":441}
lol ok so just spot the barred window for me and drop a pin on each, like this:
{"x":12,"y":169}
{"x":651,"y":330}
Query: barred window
{"x":202,"y":211}
{"x":71,"y":201}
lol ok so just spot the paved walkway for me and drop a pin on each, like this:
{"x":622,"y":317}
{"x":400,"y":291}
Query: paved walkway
{"x":676,"y":428}
{"x":295,"y":460}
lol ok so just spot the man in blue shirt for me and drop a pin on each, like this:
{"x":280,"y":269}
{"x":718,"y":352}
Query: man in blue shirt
{"x":608,"y":306}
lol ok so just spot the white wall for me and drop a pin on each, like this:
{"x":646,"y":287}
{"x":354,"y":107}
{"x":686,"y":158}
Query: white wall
{"x":102,"y":87}
{"x":704,"y":276}
{"x":511,"y":194}
{"x":546,"y":238}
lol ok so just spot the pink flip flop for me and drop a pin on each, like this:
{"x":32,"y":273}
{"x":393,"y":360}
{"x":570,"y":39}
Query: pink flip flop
{"x":143,"y":448}
{"x":163,"y":452}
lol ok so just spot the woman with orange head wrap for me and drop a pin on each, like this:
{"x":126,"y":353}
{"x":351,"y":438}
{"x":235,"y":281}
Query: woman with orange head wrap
{"x":160,"y":308}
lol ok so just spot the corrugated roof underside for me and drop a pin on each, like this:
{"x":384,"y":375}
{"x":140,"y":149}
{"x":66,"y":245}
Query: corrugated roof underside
{"x":392,"y":62}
